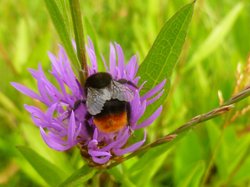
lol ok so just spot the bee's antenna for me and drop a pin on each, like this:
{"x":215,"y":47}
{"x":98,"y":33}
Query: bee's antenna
{"x":124,"y":81}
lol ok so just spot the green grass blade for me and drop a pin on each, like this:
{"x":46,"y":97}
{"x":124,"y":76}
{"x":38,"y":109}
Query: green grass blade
{"x":162,"y":57}
{"x":48,"y":171}
{"x":62,"y":30}
{"x":194,"y":176}
{"x":153,"y":165}
{"x":79,"y":177}
{"x":121,"y":176}
{"x":216,"y":38}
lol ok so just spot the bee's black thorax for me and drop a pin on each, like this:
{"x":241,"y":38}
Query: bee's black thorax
{"x":98,"y":80}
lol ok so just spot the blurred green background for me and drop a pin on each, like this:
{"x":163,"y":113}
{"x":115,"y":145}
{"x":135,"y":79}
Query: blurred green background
{"x":214,"y":60}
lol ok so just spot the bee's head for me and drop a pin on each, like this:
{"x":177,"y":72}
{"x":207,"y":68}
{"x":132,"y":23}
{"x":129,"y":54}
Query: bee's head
{"x":98,"y":80}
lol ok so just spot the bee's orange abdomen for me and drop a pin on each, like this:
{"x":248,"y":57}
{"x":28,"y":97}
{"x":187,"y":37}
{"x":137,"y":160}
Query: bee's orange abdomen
{"x":111,"y":122}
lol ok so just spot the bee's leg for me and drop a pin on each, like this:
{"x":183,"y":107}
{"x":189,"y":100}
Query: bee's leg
{"x":76,"y":106}
{"x":89,"y":128}
{"x":124,"y":81}
{"x":128,"y":110}
{"x":78,"y":103}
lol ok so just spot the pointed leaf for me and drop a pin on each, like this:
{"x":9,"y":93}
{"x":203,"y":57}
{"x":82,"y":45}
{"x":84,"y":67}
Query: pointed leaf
{"x":79,"y":177}
{"x":120,"y":176}
{"x":62,"y":30}
{"x":194,"y":176}
{"x":162,"y":57}
{"x":48,"y":171}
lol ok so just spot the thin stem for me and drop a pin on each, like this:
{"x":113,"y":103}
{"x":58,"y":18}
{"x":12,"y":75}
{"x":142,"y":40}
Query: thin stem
{"x":238,"y":97}
{"x":190,"y":124}
{"x":79,"y":37}
{"x":170,"y":137}
{"x":234,"y":99}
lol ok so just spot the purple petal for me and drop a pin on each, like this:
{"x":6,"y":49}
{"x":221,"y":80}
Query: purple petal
{"x":23,"y":89}
{"x":37,"y":115}
{"x":35,"y":73}
{"x":66,"y":71}
{"x":112,"y":59}
{"x":54,"y":126}
{"x":65,"y":96}
{"x":98,"y":153}
{"x":95,"y":135}
{"x":52,"y":143}
{"x":149,"y":102}
{"x":34,"y":111}
{"x":137,"y":108}
{"x":153,"y":91}
{"x":121,"y":138}
{"x":150,"y":119}
{"x":53,"y":60}
{"x":120,"y":56}
{"x":101,"y":160}
{"x":43,"y":93}
{"x":71,"y":128}
{"x":91,"y":46}
{"x":92,"y":57}
{"x":131,"y":148}
{"x":136,"y":80}
{"x":132,"y":67}
{"x":78,"y":131}
{"x":92,"y":144}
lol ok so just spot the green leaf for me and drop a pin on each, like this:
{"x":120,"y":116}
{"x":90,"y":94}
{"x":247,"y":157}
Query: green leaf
{"x":121,"y":176}
{"x":185,"y":165}
{"x":79,"y":177}
{"x":59,"y":159}
{"x":193,"y":177}
{"x":64,"y":8}
{"x":78,"y":30}
{"x":62,"y":30}
{"x":153,"y":165}
{"x":49,"y":172}
{"x":151,"y":156}
{"x":216,"y":38}
{"x":162,"y":57}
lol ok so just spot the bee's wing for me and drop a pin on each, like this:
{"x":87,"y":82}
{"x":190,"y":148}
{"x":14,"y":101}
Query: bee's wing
{"x":96,"y":99}
{"x":121,"y":92}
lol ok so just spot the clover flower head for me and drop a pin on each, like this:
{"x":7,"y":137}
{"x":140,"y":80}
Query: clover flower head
{"x":62,"y":126}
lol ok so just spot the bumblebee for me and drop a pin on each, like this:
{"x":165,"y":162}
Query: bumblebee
{"x":108,"y":101}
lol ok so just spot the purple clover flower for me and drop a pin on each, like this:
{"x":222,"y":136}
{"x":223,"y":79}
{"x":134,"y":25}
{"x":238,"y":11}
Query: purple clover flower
{"x":62,"y":127}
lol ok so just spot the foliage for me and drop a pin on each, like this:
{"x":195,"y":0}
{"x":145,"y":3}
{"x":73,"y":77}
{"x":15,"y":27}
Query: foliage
{"x":214,"y":58}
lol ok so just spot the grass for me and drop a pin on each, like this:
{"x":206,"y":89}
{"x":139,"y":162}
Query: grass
{"x":214,"y":58}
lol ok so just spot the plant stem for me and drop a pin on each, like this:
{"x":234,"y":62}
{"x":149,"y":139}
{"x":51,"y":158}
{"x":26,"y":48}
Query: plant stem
{"x":227,"y":106}
{"x":61,"y":28}
{"x":79,"y":38}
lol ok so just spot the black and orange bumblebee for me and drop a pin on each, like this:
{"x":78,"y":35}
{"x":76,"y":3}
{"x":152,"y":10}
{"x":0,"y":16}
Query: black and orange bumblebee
{"x":107,"y":101}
